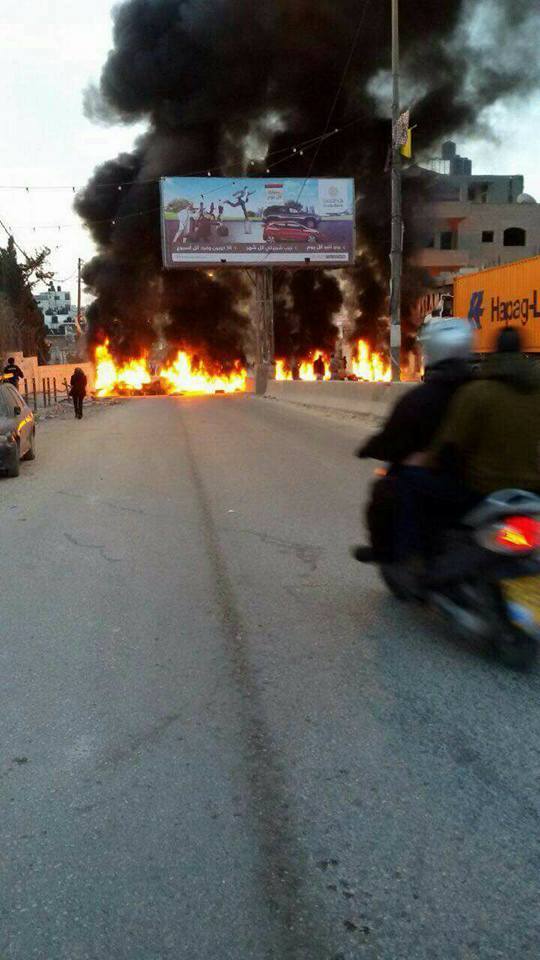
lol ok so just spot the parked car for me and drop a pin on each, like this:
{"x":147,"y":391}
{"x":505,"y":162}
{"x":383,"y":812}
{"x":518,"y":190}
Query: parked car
{"x":17,"y":430}
{"x":291,"y":212}
{"x":290,"y":232}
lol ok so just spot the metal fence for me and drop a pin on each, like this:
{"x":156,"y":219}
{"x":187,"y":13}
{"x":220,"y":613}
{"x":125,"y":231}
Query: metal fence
{"x":48,"y":392}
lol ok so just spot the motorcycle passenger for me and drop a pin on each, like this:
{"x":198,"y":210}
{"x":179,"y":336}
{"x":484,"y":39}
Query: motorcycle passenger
{"x":489,"y":441}
{"x":411,"y":427}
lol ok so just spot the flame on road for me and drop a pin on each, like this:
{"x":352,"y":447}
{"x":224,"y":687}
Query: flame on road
{"x":183,"y":375}
{"x":113,"y":378}
{"x":367,"y":364}
{"x":282,"y":371}
{"x":305,"y":372}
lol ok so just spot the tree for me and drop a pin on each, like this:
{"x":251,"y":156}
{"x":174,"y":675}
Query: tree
{"x":17,"y":281}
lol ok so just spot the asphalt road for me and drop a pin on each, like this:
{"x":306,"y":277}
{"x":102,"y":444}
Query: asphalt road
{"x":221,"y":739}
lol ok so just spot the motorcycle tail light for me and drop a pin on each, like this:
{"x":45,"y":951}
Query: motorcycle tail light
{"x":512,"y":535}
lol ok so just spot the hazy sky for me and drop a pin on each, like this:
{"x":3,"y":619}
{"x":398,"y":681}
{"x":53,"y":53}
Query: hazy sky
{"x":48,"y":54}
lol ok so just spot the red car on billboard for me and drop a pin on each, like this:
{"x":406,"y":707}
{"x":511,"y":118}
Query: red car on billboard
{"x":290,"y":232}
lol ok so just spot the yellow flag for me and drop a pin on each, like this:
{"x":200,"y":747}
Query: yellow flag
{"x":406,"y":149}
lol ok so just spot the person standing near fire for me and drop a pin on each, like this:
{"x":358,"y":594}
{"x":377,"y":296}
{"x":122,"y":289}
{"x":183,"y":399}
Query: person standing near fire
{"x":319,"y":368}
{"x":78,"y":391}
{"x":13,"y":373}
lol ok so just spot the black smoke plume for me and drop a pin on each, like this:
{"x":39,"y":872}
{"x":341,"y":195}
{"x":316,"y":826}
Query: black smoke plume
{"x":221,"y":82}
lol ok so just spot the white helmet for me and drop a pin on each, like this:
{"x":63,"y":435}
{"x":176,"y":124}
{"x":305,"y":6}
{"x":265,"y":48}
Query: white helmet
{"x":445,"y":338}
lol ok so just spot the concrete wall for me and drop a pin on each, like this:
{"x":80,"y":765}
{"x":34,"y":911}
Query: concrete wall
{"x":368,"y":399}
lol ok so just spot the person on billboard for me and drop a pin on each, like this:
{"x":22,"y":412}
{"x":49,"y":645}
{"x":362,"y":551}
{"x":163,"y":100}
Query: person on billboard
{"x":242,"y":197}
{"x":184,"y":217}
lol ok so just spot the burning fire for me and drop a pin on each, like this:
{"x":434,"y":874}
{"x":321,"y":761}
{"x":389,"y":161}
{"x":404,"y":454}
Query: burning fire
{"x":305,"y":372}
{"x":367,"y":364}
{"x":282,"y":371}
{"x":111,"y":378}
{"x":186,"y":376}
{"x":183,"y":375}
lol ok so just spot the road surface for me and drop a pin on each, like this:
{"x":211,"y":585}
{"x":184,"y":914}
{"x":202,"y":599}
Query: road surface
{"x":221,"y":739}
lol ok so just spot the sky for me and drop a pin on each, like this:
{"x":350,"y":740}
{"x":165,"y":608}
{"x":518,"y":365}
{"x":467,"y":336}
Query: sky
{"x":50,"y":52}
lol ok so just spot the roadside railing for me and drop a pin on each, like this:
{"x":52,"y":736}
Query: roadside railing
{"x":48,"y":393}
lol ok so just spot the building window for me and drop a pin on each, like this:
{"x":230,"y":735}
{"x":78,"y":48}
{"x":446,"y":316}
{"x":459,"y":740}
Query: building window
{"x":487,"y":236}
{"x":447,"y":238}
{"x":478,"y":192}
{"x":514,"y":237}
{"x":54,"y":319}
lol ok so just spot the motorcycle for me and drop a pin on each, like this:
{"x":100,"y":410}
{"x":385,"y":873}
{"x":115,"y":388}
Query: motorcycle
{"x":485,"y":579}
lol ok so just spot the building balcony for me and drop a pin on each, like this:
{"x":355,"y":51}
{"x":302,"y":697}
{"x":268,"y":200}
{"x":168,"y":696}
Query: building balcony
{"x":441,"y":261}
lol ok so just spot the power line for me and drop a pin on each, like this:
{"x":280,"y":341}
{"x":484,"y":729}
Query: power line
{"x":338,"y":91}
{"x":293,"y":150}
{"x":15,"y":244}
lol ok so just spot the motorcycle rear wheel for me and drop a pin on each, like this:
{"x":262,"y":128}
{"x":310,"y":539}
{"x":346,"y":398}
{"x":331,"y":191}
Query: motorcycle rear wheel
{"x":393,"y":586}
{"x":514,"y":648}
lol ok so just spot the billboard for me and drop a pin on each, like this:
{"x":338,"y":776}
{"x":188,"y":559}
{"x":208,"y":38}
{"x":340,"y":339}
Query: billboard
{"x":257,"y":221}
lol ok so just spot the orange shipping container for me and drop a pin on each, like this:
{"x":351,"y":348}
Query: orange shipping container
{"x":502,"y":296}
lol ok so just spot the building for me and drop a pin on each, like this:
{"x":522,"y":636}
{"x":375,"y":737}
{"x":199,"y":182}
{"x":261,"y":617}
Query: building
{"x":59,"y":314}
{"x":471,"y":221}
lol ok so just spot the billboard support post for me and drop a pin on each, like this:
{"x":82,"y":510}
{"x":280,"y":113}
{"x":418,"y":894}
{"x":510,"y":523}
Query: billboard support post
{"x":264,"y":327}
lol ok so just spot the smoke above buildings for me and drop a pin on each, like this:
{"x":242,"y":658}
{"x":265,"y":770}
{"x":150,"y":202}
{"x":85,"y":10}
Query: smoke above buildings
{"x":221,"y":83}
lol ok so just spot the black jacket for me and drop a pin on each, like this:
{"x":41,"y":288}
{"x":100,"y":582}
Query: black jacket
{"x":78,"y":384}
{"x":14,"y":372}
{"x":416,"y":418}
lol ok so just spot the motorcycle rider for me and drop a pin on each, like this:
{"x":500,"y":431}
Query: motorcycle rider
{"x":411,"y":427}
{"x":489,"y":441}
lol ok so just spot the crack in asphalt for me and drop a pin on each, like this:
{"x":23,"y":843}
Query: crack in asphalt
{"x":92,"y":546}
{"x":304,"y":552}
{"x":283,"y":865}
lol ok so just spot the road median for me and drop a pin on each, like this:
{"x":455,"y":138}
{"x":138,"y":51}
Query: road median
{"x":347,"y":396}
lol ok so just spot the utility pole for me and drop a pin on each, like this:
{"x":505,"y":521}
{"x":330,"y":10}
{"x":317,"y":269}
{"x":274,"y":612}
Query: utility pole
{"x":79,"y":265}
{"x":397,"y":220}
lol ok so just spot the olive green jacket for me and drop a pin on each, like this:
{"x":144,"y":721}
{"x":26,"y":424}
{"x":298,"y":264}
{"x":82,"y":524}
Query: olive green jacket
{"x":492,"y":428}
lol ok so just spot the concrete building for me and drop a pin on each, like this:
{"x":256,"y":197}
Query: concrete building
{"x":59,"y":313}
{"x":472,"y":221}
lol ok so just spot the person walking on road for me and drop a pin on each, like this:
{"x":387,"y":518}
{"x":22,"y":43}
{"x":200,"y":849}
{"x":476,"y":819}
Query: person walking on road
{"x":13,"y":373}
{"x":78,"y":391}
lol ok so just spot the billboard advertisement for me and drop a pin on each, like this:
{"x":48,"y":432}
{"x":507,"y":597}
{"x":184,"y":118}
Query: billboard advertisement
{"x":257,"y":221}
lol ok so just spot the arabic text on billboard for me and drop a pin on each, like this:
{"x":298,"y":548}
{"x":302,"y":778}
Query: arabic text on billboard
{"x":212,"y":220}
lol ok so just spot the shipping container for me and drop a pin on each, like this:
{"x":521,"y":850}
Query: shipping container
{"x":502,"y":296}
